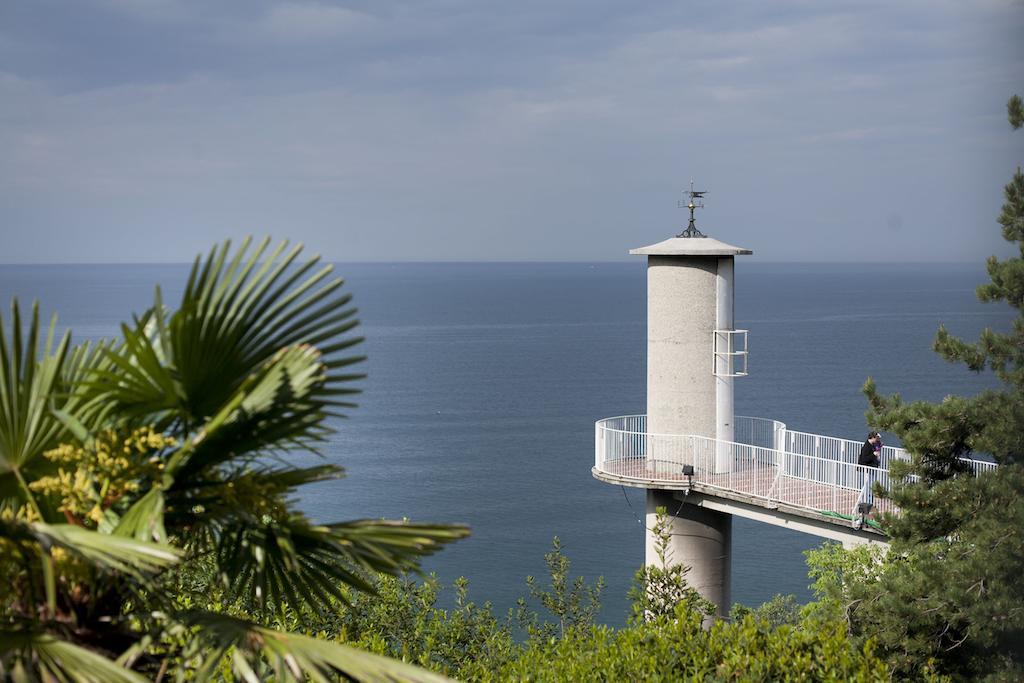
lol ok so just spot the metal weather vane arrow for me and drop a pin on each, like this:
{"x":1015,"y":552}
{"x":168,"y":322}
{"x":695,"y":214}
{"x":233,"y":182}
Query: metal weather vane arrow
{"x":698,"y":195}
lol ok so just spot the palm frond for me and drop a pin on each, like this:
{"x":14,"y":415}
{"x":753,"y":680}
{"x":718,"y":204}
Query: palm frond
{"x":393,"y":546}
{"x":144,"y":520}
{"x":31,"y":545}
{"x":37,"y":393}
{"x":28,"y":656}
{"x":28,"y":382}
{"x":138,"y":381}
{"x":80,"y":412}
{"x":287,"y":478}
{"x":276,"y":564}
{"x":273,"y":407}
{"x":127,"y":555}
{"x":234,"y":316}
{"x":211,"y":493}
{"x":254,"y":359}
{"x":259,"y":653}
{"x":291,"y":562}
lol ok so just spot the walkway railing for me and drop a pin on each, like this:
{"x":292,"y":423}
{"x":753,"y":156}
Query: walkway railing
{"x":767,"y":461}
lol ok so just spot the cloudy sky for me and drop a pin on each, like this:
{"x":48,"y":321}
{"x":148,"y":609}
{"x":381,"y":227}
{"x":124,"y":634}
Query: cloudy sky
{"x":144,"y":130}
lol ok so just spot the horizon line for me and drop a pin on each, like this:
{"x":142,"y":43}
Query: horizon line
{"x":485,"y":261}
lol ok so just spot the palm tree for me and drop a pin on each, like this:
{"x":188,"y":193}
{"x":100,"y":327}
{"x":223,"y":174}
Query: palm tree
{"x":167,"y":459}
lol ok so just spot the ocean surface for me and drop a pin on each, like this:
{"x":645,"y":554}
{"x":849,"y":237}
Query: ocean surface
{"x":485,"y":379}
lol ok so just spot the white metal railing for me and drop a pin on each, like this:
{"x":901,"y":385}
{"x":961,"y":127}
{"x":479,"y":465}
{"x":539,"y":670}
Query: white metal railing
{"x":759,"y":431}
{"x":846,"y":450}
{"x":767,"y":461}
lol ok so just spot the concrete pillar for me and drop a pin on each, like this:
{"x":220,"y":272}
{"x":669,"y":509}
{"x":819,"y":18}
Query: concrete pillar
{"x":701,"y":540}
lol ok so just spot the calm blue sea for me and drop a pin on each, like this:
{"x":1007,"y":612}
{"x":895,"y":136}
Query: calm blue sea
{"x":485,"y":380}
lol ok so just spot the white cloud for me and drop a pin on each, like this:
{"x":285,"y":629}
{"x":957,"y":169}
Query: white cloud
{"x":301,"y":21}
{"x":345,"y":127}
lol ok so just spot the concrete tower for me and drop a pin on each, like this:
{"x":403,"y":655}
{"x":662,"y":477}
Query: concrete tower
{"x":692,"y":349}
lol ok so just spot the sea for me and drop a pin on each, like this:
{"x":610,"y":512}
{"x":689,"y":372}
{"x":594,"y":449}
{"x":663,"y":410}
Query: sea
{"x":484,"y":381}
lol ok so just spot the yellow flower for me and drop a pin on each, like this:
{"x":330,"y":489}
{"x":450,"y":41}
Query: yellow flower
{"x":105,"y":472}
{"x":96,"y":514}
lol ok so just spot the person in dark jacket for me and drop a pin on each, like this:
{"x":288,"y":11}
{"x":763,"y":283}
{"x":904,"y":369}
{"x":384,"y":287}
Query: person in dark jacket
{"x":869,"y":457}
{"x":869,"y":452}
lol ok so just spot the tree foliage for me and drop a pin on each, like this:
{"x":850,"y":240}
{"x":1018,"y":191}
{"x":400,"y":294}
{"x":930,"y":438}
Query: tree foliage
{"x":661,"y":588}
{"x":403,"y":620}
{"x":681,"y":649}
{"x":781,"y":610}
{"x":574,"y":605}
{"x":772,"y":642}
{"x":949,"y":592}
{"x":130,"y":466}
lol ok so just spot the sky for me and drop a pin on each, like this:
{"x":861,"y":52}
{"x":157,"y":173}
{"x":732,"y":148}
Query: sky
{"x":450,"y":130}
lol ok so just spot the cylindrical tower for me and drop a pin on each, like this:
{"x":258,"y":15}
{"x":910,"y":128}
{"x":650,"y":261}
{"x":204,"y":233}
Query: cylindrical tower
{"x":692,"y":352}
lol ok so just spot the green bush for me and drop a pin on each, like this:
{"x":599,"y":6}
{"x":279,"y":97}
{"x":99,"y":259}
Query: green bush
{"x":680,"y":649}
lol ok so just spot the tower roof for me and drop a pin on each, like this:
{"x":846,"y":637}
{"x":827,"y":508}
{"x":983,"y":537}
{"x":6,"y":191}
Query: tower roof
{"x":690,"y":246}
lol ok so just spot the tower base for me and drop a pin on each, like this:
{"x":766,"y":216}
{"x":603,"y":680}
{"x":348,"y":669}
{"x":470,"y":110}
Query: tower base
{"x":701,"y":540}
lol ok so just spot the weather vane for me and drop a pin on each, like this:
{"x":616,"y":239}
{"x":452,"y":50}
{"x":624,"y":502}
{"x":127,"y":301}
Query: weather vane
{"x":696,"y":201}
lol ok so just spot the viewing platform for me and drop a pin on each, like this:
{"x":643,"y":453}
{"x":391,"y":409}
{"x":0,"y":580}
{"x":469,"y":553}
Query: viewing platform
{"x":807,"y":482}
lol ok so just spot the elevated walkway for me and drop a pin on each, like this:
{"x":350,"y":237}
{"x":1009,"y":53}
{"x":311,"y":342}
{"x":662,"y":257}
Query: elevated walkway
{"x":806,"y":482}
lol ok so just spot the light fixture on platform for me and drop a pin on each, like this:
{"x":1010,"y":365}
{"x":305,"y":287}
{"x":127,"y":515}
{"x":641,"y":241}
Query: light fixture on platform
{"x":688,"y":473}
